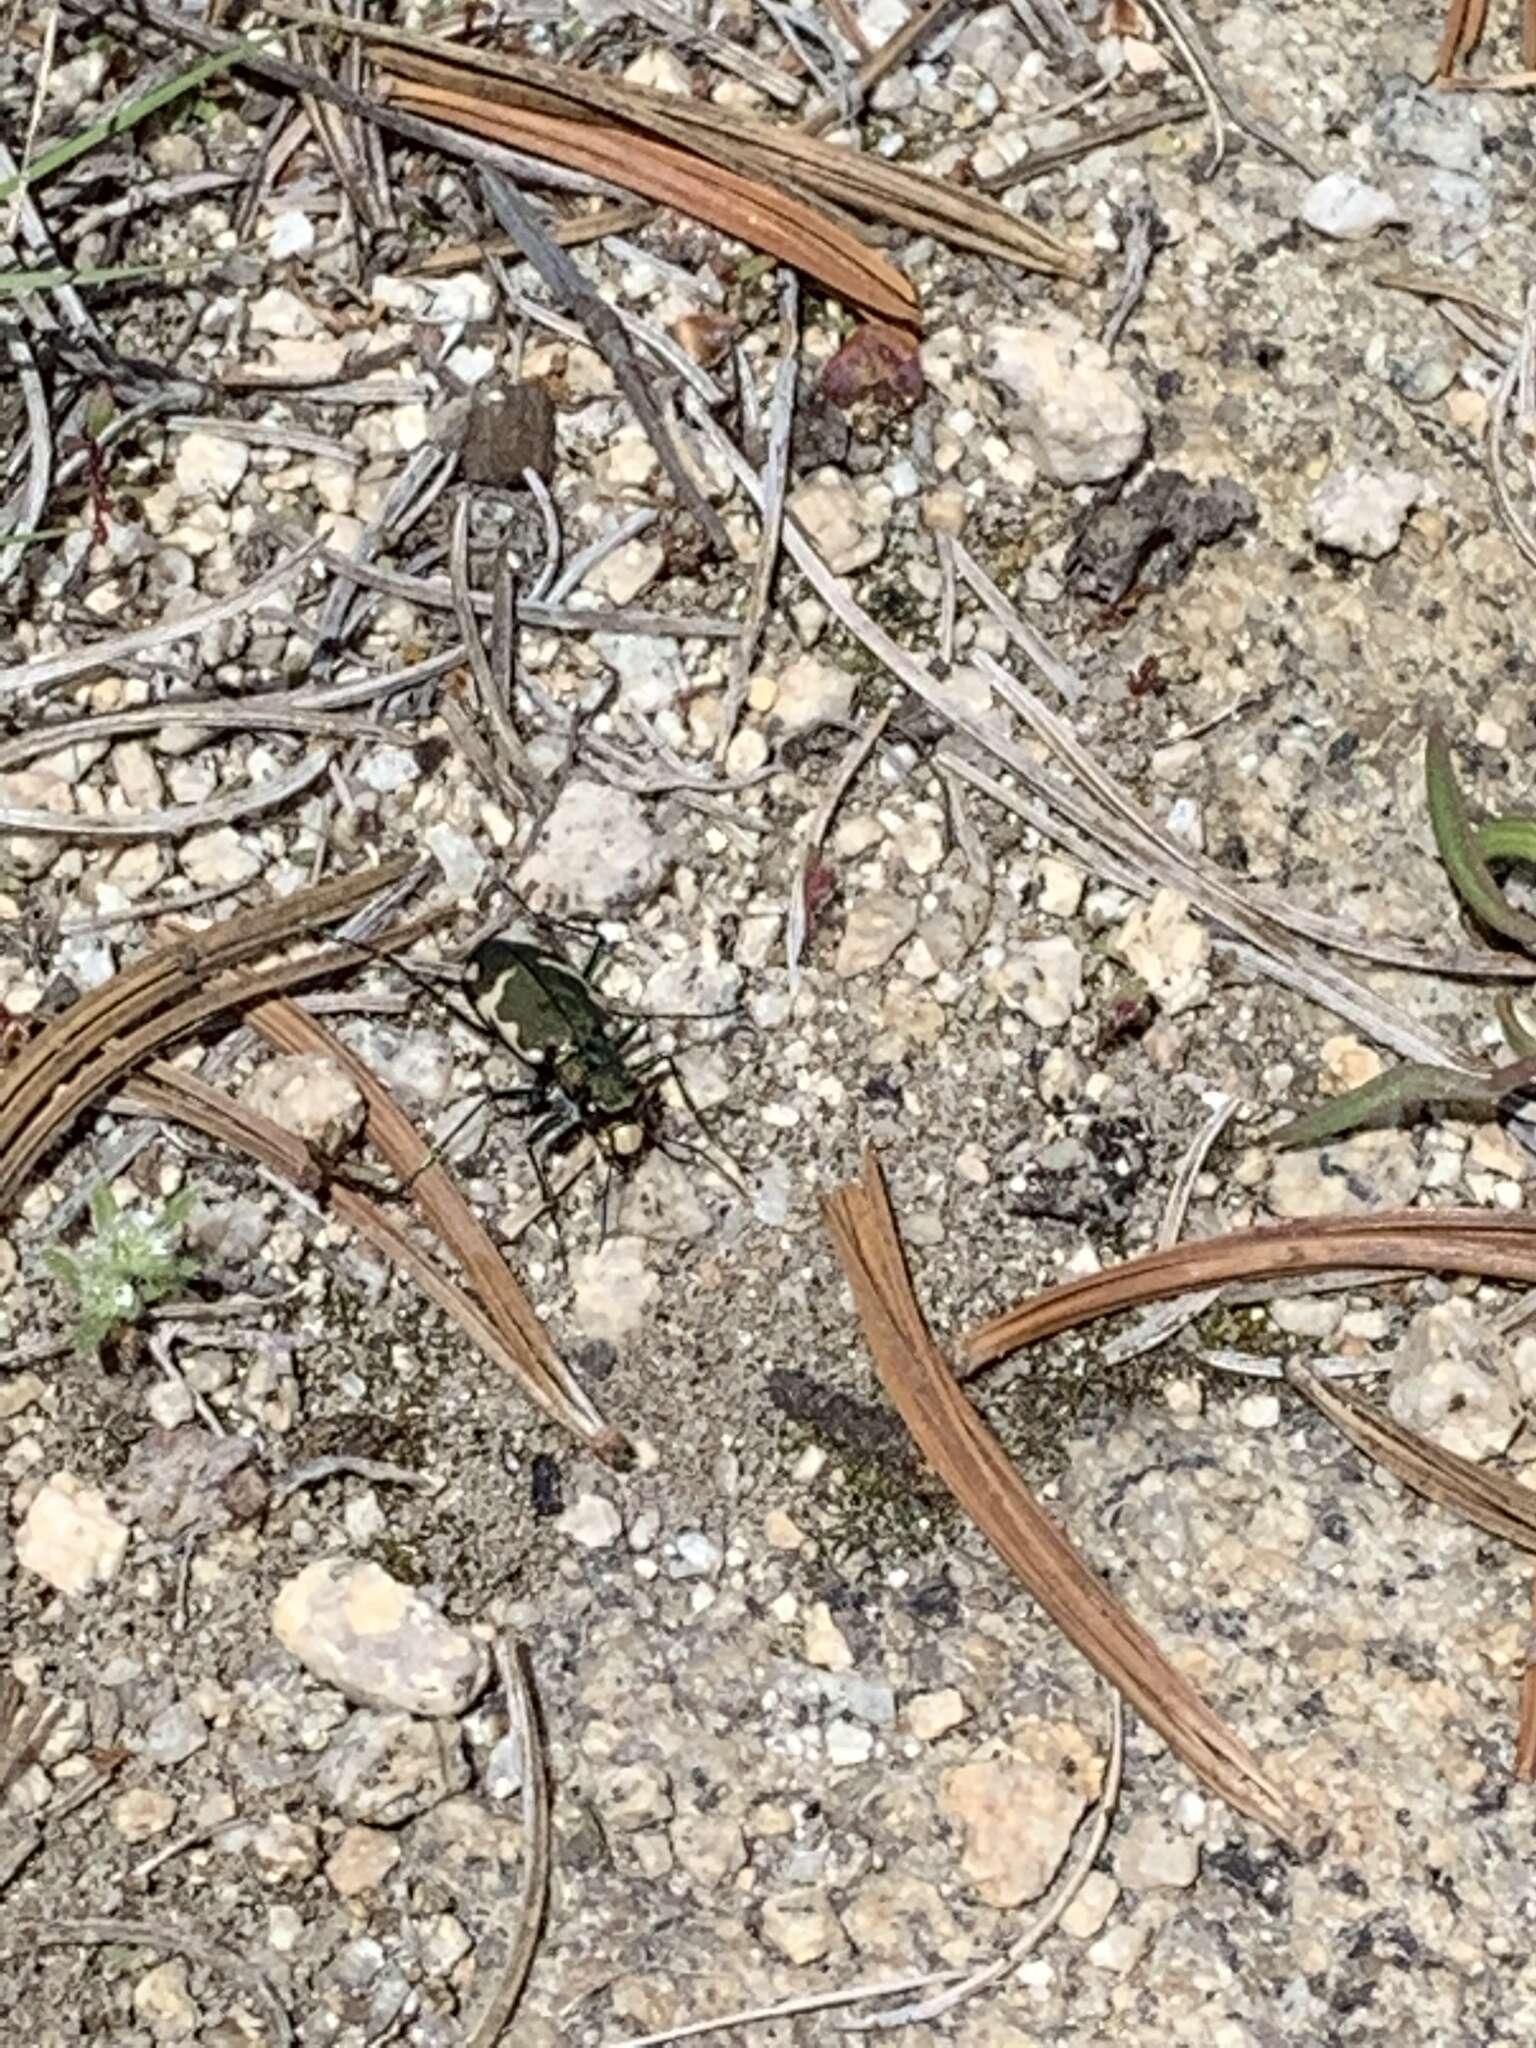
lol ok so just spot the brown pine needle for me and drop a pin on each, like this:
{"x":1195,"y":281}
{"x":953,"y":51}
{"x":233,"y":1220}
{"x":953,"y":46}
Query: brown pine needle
{"x":779,"y":225}
{"x":1525,"y":1742}
{"x":1479,"y":1241}
{"x":976,"y":1469}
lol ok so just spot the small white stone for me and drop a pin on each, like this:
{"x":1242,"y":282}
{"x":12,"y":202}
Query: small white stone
{"x":930,"y":1715}
{"x":1061,"y":887}
{"x":162,"y":1999}
{"x":291,"y":234}
{"x":839,"y":520}
{"x":379,"y":1642}
{"x":1044,"y":979}
{"x":1090,"y":1906}
{"x":1121,"y":1949}
{"x":210,"y":465}
{"x":613,"y":1288}
{"x":219,"y":859}
{"x":1259,"y":1411}
{"x":848,"y":1744}
{"x":1079,"y":409}
{"x":1346,"y":208}
{"x":597,"y":853}
{"x":660,"y":70}
{"x":1151,"y":1857}
{"x":457,"y":855}
{"x":782,"y":1531}
{"x":70,"y":1537}
{"x":281,"y":312}
{"x":1454,"y":1379}
{"x":1361,"y":511}
{"x":801,"y":1926}
{"x":694,"y":1556}
{"x":825,"y":1644}
{"x":1169,"y":948}
{"x":629,"y":570}
{"x":591,"y":1521}
{"x":878,"y":925}
{"x":310,"y":1094}
{"x":811,"y":691}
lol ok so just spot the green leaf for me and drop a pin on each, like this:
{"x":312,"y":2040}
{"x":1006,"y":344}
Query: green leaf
{"x":1392,"y":1095}
{"x":1461,"y":851}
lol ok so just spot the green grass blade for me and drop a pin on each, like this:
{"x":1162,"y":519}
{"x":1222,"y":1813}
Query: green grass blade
{"x":1461,"y":852}
{"x":13,"y":283}
{"x":1393,"y":1095}
{"x":1507,"y":839}
{"x":118,"y":118}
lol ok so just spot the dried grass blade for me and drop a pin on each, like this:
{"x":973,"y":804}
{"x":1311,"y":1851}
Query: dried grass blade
{"x":976,"y":1469}
{"x":165,"y":977}
{"x":772,"y":150}
{"x":438,"y":1196}
{"x":1490,"y":1500}
{"x":167,"y":1091}
{"x":1525,"y":1741}
{"x":1472,"y":1241}
{"x":782,"y":227}
{"x":1392,"y":1095}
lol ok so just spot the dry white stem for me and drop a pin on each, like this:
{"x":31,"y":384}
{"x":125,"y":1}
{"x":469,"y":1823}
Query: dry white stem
{"x":179,"y":819}
{"x":80,"y":661}
{"x":785,"y":2009}
{"x":796,"y":916}
{"x":1171,"y":1229}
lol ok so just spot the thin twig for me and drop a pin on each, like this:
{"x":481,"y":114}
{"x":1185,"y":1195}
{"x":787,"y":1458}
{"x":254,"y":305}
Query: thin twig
{"x":533,"y":1896}
{"x":180,"y":819}
{"x":48,"y":669}
{"x":1162,"y":1321}
{"x":1138,"y":264}
{"x":1191,"y":1166}
{"x":249,"y":714}
{"x":606,"y":335}
{"x":1025,"y":1944}
{"x":341,"y":1465}
{"x":1525,"y":1741}
{"x":208,"y":1955}
{"x":23,"y":515}
{"x":1053,"y":156}
{"x":918,"y":26}
{"x":785,"y":2009}
{"x":796,"y":917}
{"x":518,"y":781}
{"x":775,"y":483}
{"x":1185,"y":32}
{"x":1516,"y":376}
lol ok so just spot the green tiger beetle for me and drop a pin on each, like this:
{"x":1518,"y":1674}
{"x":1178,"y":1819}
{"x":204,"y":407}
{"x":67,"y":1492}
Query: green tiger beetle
{"x":548,"y":1014}
{"x":588,"y":1072}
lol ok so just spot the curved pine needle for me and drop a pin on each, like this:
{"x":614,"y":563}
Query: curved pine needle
{"x":1414,"y":1085}
{"x":1461,"y":849}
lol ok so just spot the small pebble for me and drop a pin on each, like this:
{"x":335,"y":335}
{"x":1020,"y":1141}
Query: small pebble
{"x":591,"y":1521}
{"x":376,"y":1641}
{"x":70,"y":1537}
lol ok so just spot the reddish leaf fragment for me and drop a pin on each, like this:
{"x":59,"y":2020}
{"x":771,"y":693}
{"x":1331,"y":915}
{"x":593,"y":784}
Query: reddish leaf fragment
{"x":877,"y":365}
